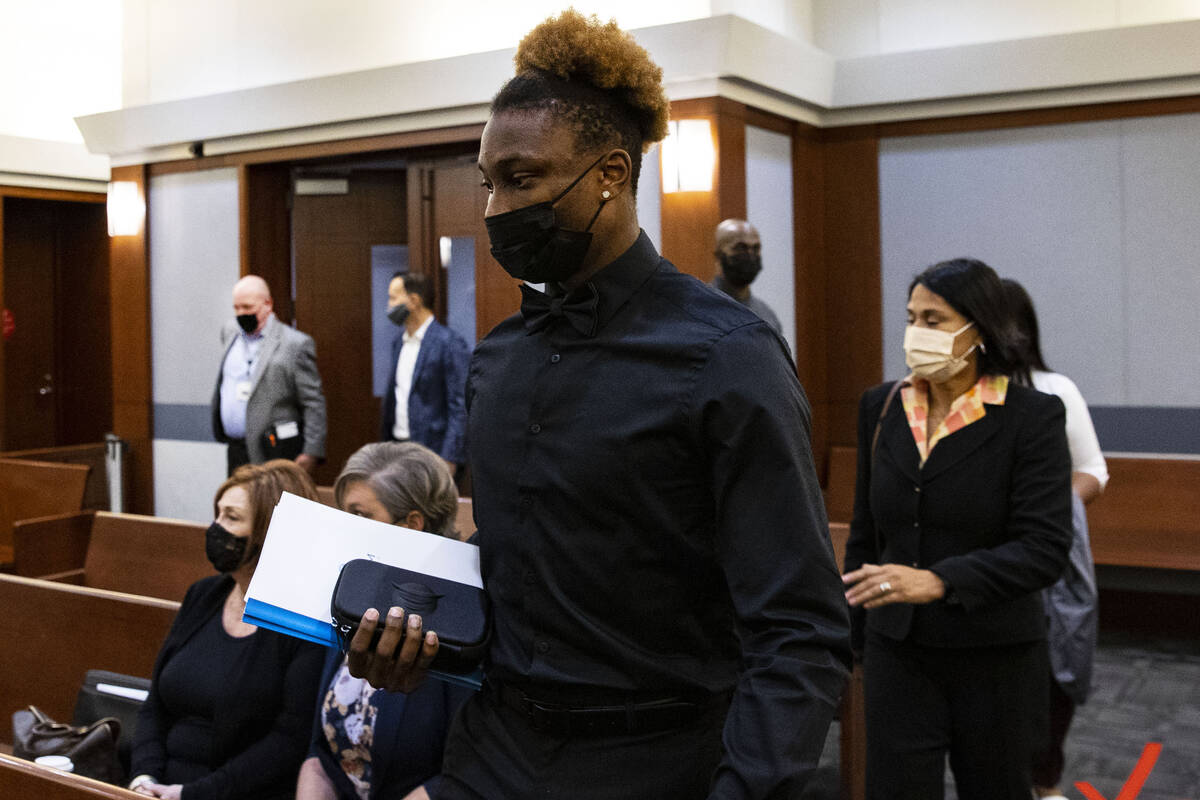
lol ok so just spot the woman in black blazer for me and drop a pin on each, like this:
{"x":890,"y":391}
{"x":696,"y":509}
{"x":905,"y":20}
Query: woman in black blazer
{"x":962,"y":512}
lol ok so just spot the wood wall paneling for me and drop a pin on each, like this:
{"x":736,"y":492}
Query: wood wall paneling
{"x":853,"y":295}
{"x":808,"y":231}
{"x":689,"y":219}
{"x":265,"y":230}
{"x":2,"y":307}
{"x":129,"y":292}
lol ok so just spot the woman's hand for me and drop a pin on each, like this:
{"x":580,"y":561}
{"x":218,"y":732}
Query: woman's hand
{"x":418,"y":793}
{"x":402,"y":657}
{"x":875,"y":585}
{"x":172,"y":792}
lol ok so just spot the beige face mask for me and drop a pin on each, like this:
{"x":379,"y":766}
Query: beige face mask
{"x":929,"y":353}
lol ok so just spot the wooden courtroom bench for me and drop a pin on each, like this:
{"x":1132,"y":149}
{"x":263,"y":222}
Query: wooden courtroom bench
{"x":1149,"y":515}
{"x":54,"y":633}
{"x":95,"y":493}
{"x":35,"y":489}
{"x":24,"y":780}
{"x":149,"y":556}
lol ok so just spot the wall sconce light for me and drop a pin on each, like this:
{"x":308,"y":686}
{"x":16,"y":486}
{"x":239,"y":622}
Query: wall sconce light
{"x":126,"y":209}
{"x":689,"y":156}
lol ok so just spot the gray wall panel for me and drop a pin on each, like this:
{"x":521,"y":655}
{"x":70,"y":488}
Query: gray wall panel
{"x":1162,"y":255}
{"x":769,"y":208}
{"x":1042,"y":205}
{"x":193,"y":224}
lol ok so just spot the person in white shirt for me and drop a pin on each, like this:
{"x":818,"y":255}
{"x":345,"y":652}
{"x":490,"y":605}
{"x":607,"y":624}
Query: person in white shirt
{"x":1070,"y":603}
{"x":425,"y":400}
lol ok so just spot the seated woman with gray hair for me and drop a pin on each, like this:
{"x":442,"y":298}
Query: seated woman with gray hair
{"x":370,"y":743}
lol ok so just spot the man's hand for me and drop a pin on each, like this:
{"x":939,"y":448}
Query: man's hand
{"x":875,"y":585}
{"x":307,"y":463}
{"x":400,"y":659}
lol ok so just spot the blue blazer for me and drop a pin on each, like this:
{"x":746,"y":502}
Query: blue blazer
{"x":437,"y":413}
{"x":410,"y":735}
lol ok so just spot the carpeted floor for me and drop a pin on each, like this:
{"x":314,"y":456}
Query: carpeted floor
{"x":1143,"y":690}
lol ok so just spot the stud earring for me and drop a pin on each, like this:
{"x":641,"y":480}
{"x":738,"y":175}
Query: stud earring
{"x":606,"y":194}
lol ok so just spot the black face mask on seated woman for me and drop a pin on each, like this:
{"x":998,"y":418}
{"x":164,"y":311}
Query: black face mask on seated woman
{"x":225,"y":551}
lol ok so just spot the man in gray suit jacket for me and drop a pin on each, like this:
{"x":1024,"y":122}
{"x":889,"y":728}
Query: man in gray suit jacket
{"x":268,"y":401}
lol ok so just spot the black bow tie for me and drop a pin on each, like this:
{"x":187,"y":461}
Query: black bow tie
{"x":578,"y":307}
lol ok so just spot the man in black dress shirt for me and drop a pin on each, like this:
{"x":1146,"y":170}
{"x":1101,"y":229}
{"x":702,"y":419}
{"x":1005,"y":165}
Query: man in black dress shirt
{"x":668,"y":620}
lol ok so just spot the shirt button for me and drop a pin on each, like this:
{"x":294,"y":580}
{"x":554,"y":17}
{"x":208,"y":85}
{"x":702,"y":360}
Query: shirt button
{"x":917,"y":489}
{"x":535,"y":428}
{"x":554,"y":359}
{"x":914,"y":564}
{"x":543,"y":647}
{"x":916,"y":524}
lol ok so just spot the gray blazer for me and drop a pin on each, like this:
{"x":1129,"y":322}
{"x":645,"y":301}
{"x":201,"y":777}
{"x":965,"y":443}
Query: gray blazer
{"x":285,"y":386}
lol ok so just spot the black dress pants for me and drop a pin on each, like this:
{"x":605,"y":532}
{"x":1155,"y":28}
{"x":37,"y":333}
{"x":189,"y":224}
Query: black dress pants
{"x":236,"y":455}
{"x":976,"y":705}
{"x":493,"y":754}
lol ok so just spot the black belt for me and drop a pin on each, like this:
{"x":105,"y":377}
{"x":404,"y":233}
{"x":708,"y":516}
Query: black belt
{"x":643,"y":716}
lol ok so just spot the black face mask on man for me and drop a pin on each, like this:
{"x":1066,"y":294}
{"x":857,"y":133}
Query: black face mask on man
{"x":741,"y":269}
{"x":247,"y":322}
{"x":531,"y":246}
{"x":398,"y":314}
{"x":225,"y":551}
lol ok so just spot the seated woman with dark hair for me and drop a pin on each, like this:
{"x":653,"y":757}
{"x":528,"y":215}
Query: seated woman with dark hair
{"x":229,"y":704}
{"x":369,"y":743}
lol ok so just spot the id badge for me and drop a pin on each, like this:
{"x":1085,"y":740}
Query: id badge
{"x":242,"y":391}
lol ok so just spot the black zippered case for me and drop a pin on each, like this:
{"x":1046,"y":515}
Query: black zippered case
{"x":458,"y":613}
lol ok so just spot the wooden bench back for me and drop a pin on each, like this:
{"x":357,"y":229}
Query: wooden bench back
{"x":54,"y":633}
{"x":48,"y":545}
{"x":1149,"y":516}
{"x":95,"y":493}
{"x":23,"y":779}
{"x":150,"y":556}
{"x":36,"y":489}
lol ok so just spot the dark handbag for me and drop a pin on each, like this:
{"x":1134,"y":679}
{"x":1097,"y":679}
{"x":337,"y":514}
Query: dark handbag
{"x":111,"y":694}
{"x":91,"y":748}
{"x":456,"y":611}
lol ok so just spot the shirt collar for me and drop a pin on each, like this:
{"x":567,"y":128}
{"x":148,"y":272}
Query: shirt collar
{"x":620,"y":279}
{"x":992,"y":389}
{"x":419,"y":333}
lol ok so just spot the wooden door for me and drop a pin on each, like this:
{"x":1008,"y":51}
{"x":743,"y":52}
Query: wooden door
{"x":30,"y":411}
{"x":57,"y":382}
{"x":452,"y":207}
{"x":332,"y":237}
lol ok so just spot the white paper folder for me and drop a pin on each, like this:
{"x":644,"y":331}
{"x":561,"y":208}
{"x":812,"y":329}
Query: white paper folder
{"x":307,"y":543}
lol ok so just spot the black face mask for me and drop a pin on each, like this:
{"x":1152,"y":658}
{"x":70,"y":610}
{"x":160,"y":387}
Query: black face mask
{"x":398,"y":314}
{"x":531,"y":246}
{"x":741,"y":269}
{"x":225,"y":551}
{"x":248,"y":322}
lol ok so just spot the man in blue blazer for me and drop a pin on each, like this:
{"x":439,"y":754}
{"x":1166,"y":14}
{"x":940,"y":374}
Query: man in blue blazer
{"x":425,"y":400}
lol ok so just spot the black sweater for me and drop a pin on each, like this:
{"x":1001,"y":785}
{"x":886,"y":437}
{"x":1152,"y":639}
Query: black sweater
{"x":260,"y":722}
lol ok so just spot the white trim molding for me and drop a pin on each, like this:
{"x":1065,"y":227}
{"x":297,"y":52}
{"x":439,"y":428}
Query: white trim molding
{"x":717,"y":56}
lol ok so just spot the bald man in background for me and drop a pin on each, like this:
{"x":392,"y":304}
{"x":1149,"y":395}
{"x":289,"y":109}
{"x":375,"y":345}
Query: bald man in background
{"x":739,"y":260}
{"x":268,"y":401}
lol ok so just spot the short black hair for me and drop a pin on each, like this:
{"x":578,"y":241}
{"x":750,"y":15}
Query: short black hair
{"x":973,"y":289}
{"x":1024,"y":317}
{"x":420,"y":284}
{"x":599,"y":118}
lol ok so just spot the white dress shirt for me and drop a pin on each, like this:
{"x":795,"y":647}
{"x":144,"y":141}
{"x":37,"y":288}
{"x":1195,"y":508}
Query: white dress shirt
{"x":405,"y":366}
